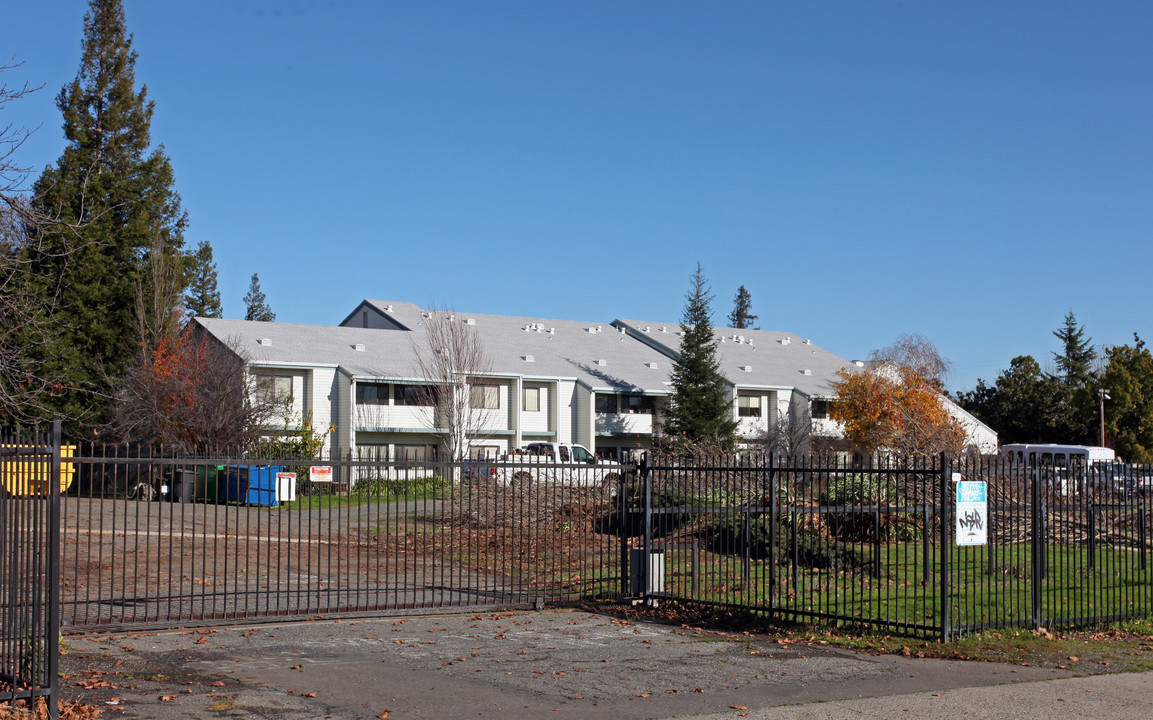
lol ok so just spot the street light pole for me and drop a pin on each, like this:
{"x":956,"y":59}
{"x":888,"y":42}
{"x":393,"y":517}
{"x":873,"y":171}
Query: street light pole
{"x":1104,"y":396}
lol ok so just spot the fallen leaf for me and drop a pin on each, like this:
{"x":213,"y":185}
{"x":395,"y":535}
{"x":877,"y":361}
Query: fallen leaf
{"x":738,"y":707}
{"x":308,"y":694}
{"x":384,"y":715}
{"x":167,"y":698}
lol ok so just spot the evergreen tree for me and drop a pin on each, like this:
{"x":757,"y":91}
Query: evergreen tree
{"x":741,"y":317}
{"x":1129,"y":410}
{"x":202,"y":297}
{"x":255,"y":304}
{"x":1024,"y":406}
{"x":701,"y":413}
{"x":1075,"y":362}
{"x":121,"y":194}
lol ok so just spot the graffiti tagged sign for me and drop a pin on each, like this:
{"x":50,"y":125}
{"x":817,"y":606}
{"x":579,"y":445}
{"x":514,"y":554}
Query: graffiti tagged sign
{"x":972,"y":514}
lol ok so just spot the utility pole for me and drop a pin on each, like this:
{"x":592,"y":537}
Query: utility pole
{"x":1104,"y":396}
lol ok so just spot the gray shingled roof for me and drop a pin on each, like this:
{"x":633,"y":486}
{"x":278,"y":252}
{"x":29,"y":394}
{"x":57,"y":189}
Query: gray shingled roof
{"x":755,"y":358}
{"x":558,"y":348}
{"x":385,"y":354}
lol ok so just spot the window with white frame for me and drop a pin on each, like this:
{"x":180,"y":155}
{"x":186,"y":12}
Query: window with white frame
{"x":273,"y":388}
{"x":819,"y":409}
{"x":749,"y":405}
{"x":531,"y":400}
{"x":484,"y":396}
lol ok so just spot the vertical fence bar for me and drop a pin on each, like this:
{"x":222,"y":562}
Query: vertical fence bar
{"x":647,"y":475}
{"x":943,"y":514}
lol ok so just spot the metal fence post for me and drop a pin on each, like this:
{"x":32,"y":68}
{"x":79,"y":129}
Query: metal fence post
{"x":646,"y":554}
{"x":944,"y":515}
{"x":1037,"y":545}
{"x":53,"y":630}
{"x":773,"y":539}
{"x":624,"y":522}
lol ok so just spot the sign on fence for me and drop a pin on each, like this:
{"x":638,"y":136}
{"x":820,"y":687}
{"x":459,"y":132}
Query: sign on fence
{"x":972,"y":513}
{"x":320,"y":473}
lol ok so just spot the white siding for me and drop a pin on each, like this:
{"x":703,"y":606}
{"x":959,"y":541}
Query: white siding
{"x":539,"y":421}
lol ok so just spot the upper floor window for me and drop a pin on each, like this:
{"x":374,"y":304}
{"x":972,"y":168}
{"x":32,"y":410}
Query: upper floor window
{"x":273,"y":388}
{"x":484,"y":396}
{"x":531,"y":401}
{"x":820,"y":409}
{"x":371,"y":394}
{"x":749,"y":405}
{"x":606,"y":403}
{"x":637,"y":404}
{"x":413,"y":395}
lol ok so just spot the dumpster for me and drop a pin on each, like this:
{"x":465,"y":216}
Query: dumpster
{"x":208,"y":479}
{"x":179,"y":486}
{"x":28,"y":474}
{"x":250,"y":484}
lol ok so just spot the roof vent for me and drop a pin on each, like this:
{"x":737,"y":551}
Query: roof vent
{"x":530,"y":358}
{"x":388,"y":308}
{"x":785,"y":340}
{"x":747,"y":368}
{"x":651,"y":366}
{"x":724,"y":339}
{"x":808,"y":341}
{"x":623,"y":331}
{"x":808,"y":371}
{"x":664,"y":329}
{"x":602,"y":363}
{"x":265,"y":341}
{"x":359,"y":347}
{"x":552,"y":331}
{"x":858,"y":363}
{"x":600,"y":328}
{"x":646,"y":328}
{"x":592,"y":331}
{"x":470,"y":321}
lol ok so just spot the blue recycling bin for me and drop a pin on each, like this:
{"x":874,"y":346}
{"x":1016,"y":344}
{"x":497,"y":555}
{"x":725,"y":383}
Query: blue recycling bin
{"x":250,"y":484}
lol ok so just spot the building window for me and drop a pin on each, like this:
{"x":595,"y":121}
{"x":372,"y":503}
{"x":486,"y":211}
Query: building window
{"x":531,"y":399}
{"x":415,"y":453}
{"x":485,"y":397}
{"x":484,"y":452}
{"x":820,"y":409}
{"x":273,"y":389}
{"x":371,"y":394}
{"x":637,"y":405}
{"x":421,"y":395}
{"x":749,"y":405}
{"x":606,"y":403}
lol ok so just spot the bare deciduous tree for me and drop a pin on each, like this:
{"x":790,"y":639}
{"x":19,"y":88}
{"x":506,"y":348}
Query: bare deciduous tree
{"x":191,"y":392}
{"x":452,"y":359}
{"x":791,"y":434}
{"x":28,"y":329}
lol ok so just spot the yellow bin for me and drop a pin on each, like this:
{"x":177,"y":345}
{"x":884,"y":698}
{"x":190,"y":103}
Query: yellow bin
{"x":23,"y":477}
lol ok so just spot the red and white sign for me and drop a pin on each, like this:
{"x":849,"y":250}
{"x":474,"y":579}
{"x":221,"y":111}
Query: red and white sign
{"x":320,"y":473}
{"x":285,"y":487}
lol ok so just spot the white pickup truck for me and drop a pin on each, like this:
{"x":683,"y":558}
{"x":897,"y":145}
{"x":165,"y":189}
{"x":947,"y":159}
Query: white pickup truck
{"x":560,"y":463}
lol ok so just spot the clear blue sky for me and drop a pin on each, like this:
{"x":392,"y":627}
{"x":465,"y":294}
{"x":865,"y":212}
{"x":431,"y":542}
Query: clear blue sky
{"x":969,"y":171}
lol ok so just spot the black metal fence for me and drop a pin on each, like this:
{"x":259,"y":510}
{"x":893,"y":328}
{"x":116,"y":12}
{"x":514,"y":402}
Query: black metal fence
{"x":146,"y":537}
{"x":31,"y":472}
{"x":151,"y":538}
{"x":901,"y":545}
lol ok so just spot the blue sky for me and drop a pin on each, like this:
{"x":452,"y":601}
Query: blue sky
{"x":969,"y":171}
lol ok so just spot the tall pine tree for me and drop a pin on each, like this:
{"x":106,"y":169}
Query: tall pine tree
{"x":701,"y":413}
{"x":742,"y":316}
{"x":1075,"y":361}
{"x":202,"y":297}
{"x":109,"y":182}
{"x":255,"y":304}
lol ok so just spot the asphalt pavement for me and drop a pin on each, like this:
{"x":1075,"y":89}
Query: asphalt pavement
{"x":556,"y":664}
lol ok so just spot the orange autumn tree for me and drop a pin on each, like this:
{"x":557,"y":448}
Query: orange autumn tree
{"x":190,"y":393}
{"x":896,"y":402}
